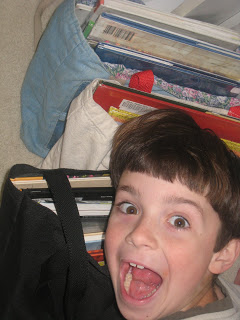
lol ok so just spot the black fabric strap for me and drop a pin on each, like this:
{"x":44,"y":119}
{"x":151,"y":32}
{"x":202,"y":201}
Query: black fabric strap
{"x":72,"y":228}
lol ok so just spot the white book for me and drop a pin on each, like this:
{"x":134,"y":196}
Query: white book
{"x":83,"y":13}
{"x":40,"y":183}
{"x":213,"y":34}
{"x":93,"y":208}
{"x":94,"y":241}
{"x":92,"y":237}
{"x":88,"y":213}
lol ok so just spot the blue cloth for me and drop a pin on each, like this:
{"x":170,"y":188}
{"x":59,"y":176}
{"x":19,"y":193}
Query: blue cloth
{"x":63,"y":65}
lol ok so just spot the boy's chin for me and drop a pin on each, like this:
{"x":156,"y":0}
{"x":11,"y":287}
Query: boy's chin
{"x":131,"y":312}
{"x":141,"y":294}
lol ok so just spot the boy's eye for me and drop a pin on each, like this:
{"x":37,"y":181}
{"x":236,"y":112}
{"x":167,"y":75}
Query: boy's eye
{"x":128,"y":208}
{"x":179,"y":222}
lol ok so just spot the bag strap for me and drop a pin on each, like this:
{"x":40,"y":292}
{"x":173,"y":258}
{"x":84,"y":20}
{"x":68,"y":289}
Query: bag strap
{"x":72,"y":229}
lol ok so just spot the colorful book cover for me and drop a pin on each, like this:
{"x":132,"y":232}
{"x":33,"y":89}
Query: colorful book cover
{"x":121,"y":116}
{"x":168,"y":70}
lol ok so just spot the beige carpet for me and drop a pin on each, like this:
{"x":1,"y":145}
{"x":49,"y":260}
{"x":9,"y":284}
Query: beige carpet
{"x":17,"y":48}
{"x":16,"y":51}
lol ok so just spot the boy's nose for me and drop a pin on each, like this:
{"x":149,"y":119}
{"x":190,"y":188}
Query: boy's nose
{"x":143,"y":235}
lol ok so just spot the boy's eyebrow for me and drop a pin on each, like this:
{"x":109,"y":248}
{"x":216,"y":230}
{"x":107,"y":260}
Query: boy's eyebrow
{"x":128,"y":189}
{"x":182,"y":200}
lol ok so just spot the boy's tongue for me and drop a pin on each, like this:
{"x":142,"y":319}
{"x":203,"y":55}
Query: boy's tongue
{"x":144,"y":283}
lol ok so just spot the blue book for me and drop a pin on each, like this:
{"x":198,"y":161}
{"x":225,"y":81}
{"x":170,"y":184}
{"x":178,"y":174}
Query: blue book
{"x":169,"y":71}
{"x":167,"y":45}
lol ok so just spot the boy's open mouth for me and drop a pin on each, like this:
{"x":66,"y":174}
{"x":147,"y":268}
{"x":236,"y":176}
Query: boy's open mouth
{"x":140,"y":282}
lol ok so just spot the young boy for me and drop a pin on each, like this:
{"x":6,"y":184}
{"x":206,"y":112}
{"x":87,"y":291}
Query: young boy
{"x":175,"y":223}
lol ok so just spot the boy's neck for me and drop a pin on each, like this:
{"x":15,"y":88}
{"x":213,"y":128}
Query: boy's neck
{"x":214,"y":293}
{"x":209,"y":295}
{"x":218,"y":292}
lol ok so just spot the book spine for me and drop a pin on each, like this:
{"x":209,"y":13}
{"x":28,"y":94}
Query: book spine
{"x":203,"y":31}
{"x":116,"y":33}
{"x":88,"y":28}
{"x":171,"y":35}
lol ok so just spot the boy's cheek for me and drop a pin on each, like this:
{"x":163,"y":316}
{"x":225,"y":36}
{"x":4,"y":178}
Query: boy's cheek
{"x":114,"y":238}
{"x":111,"y":237}
{"x":111,"y":247}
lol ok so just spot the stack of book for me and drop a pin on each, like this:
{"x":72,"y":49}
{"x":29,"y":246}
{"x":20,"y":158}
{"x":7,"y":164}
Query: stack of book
{"x":93,"y":192}
{"x":179,"y":50}
{"x":93,"y":195}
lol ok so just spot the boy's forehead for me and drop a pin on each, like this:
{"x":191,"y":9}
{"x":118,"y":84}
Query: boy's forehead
{"x":133,"y":182}
{"x":128,"y":175}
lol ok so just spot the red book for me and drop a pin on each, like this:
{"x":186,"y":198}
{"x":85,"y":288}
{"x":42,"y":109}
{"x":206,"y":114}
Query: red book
{"x":97,"y":255}
{"x":109,"y":94}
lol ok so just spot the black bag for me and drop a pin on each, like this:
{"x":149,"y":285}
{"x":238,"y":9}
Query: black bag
{"x":46,"y":272}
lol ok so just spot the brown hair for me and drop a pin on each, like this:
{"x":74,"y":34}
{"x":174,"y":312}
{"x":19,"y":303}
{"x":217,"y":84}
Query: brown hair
{"x":168,"y":143}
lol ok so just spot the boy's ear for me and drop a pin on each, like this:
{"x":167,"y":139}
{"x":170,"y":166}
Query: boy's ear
{"x":225,"y":258}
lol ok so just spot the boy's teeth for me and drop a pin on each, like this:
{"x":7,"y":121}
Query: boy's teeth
{"x":136,"y":265}
{"x":128,"y":280}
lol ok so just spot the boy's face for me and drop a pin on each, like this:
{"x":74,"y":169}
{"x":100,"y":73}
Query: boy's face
{"x":171,"y":232}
